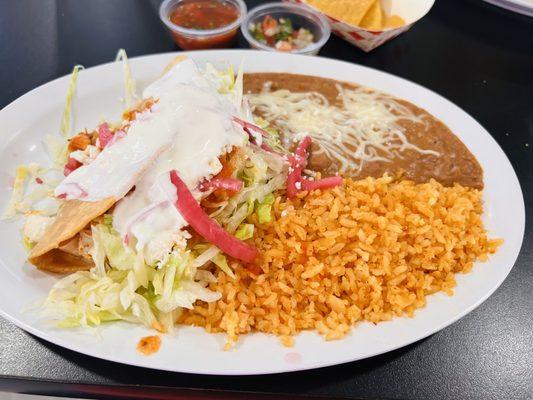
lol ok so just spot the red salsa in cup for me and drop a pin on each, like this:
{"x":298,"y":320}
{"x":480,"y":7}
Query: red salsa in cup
{"x":203,"y":16}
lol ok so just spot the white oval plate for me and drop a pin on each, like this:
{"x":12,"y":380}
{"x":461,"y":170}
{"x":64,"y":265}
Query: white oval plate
{"x":519,"y":6}
{"x":26,"y":121}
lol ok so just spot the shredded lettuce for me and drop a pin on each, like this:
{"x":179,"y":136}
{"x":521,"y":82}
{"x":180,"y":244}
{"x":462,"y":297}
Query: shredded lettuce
{"x":221,"y":262}
{"x":177,"y":288}
{"x":25,"y":177}
{"x":245,"y":231}
{"x":56,"y":146}
{"x":226,"y":83}
{"x":255,"y":170}
{"x":206,"y":254}
{"x":122,"y":286}
{"x":108,"y":220}
{"x":27,"y":193}
{"x":28,"y":244}
{"x":84,"y":299}
{"x":185,"y":295}
{"x":66,"y":125}
{"x":17,"y":195}
{"x":264,"y":209}
{"x":273,"y":139}
{"x":210,"y":253}
{"x":130,"y":95}
{"x":264,"y":213}
{"x":222,"y":80}
{"x":262,"y":175}
{"x":181,"y":260}
{"x":56,"y":149}
{"x":141,"y":270}
{"x":238,"y":86}
{"x":240,"y":214}
{"x":119,"y":257}
{"x":37,"y":194}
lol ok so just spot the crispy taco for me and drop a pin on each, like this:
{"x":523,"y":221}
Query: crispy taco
{"x":60,"y":249}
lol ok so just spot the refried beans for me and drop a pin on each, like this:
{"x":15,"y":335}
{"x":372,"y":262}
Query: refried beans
{"x":453,"y":164}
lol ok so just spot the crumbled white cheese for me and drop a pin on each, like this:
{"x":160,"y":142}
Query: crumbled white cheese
{"x":159,"y":248}
{"x":35,"y":226}
{"x":85,"y":156}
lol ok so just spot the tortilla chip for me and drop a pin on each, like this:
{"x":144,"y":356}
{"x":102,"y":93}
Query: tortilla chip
{"x":350,"y":11}
{"x":73,"y":216}
{"x":394,"y":21}
{"x":373,"y":19}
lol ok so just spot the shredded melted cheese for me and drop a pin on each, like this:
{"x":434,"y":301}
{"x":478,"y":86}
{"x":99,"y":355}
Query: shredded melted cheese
{"x":364,"y":129}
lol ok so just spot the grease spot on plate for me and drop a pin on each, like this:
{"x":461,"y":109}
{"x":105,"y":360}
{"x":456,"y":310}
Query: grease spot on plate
{"x":293,"y":358}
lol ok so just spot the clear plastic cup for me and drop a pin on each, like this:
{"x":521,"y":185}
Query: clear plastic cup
{"x":195,"y":39}
{"x":301,"y":17}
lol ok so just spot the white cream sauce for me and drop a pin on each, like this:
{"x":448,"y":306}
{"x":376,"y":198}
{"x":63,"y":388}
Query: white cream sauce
{"x":188,"y":128}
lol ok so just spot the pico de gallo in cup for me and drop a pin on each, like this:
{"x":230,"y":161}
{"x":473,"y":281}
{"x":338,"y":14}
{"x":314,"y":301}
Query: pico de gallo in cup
{"x":203,"y":24}
{"x":281,"y":34}
{"x":286,"y":27}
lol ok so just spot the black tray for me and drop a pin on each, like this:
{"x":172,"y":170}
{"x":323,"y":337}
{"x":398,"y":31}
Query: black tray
{"x":478,"y":56}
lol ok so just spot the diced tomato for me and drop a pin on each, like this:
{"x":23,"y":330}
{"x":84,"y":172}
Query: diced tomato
{"x":39,"y":181}
{"x":206,"y":226}
{"x":71,"y":165}
{"x":104,"y":135}
{"x":79,"y":142}
{"x":271,"y":41}
{"x":222,"y":192}
{"x":269,"y":26}
{"x":229,"y":163}
{"x":283,"y":45}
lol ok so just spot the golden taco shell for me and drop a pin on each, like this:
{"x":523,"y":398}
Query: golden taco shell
{"x":58,"y":250}
{"x":73,"y":216}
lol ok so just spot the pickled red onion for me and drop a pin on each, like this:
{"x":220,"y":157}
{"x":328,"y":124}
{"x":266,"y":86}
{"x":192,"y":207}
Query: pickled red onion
{"x":206,"y":226}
